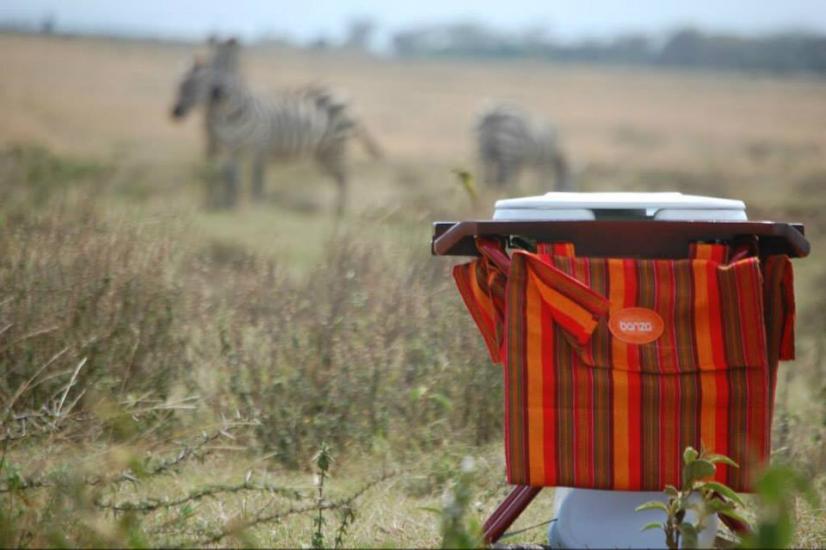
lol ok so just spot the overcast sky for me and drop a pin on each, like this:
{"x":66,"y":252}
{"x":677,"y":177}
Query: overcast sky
{"x":308,"y":19}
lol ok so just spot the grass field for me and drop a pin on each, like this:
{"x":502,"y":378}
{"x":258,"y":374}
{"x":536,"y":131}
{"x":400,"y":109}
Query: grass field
{"x":210,"y":353}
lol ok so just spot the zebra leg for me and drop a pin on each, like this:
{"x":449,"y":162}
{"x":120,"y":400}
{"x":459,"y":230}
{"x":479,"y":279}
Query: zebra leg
{"x":209,"y":132}
{"x":504,"y":173}
{"x":231,"y":174}
{"x":515,"y":172}
{"x":211,"y":145}
{"x":488,"y":172}
{"x":258,"y":165}
{"x":341,"y":181}
{"x":340,"y":176}
{"x":334,"y":164}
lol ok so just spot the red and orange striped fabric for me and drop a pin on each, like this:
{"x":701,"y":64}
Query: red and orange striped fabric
{"x":587,"y":407}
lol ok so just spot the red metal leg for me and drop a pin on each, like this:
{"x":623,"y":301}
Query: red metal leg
{"x":507,"y":512}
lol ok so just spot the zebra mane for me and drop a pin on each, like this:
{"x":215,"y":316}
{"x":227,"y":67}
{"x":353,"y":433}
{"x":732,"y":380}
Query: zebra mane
{"x":225,"y":56}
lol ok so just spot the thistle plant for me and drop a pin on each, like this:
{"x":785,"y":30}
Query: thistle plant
{"x":323,"y":460}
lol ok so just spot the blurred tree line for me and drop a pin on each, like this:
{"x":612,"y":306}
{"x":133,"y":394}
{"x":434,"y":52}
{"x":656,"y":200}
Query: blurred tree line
{"x":782,"y":52}
{"x":790,"y":52}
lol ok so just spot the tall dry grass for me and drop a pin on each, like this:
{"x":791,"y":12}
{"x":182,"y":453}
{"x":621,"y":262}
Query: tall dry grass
{"x":367,"y":347}
{"x":114,"y":334}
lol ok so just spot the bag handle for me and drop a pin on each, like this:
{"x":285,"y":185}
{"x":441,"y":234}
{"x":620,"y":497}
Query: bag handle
{"x":493,"y":250}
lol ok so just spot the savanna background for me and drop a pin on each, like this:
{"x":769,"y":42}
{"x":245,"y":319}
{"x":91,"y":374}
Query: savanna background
{"x":170,"y":372}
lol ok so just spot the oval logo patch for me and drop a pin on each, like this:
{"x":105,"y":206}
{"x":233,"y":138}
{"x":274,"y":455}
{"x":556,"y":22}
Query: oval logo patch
{"x":636,"y":325}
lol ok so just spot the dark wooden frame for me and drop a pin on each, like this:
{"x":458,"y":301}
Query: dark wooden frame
{"x":650,"y":239}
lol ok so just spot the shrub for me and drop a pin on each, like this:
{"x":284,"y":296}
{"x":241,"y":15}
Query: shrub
{"x":86,"y":307}
{"x":371,"y":345}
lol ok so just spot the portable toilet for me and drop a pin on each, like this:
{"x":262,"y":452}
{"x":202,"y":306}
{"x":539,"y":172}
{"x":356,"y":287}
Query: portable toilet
{"x":642,"y":231}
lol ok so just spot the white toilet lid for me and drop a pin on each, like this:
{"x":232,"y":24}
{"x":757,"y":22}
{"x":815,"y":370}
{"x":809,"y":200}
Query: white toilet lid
{"x":589,"y":206}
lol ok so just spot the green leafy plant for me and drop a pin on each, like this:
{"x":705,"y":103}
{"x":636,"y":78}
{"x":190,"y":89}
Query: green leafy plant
{"x":777,"y":490}
{"x":458,"y":529}
{"x":698,"y":494}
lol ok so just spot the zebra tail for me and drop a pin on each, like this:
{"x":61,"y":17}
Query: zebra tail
{"x":370,"y":144}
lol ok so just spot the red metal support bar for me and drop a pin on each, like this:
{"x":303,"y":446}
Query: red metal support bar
{"x":507,"y":512}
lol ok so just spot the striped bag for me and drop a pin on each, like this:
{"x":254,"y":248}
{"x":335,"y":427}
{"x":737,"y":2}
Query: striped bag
{"x":613,"y":366}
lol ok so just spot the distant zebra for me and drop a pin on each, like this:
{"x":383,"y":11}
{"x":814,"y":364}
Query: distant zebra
{"x":307,"y":123}
{"x":224,"y":57}
{"x":508,"y":140}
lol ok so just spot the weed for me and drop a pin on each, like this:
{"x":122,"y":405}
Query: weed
{"x":323,"y":461}
{"x":697,"y":494}
{"x":459,"y":529}
{"x":777,"y":490}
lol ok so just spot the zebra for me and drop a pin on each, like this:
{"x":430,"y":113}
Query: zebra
{"x":508,"y":139}
{"x":310,"y":122}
